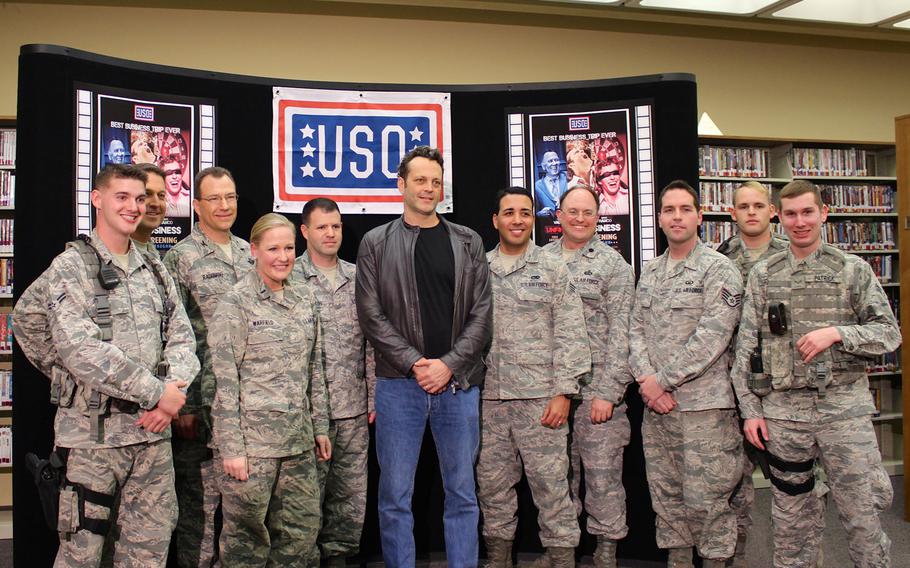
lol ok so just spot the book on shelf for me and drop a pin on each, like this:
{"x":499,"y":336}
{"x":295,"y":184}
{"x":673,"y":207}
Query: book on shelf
{"x":6,"y":276}
{"x":6,"y":236}
{"x":722,"y":161}
{"x":7,"y":188}
{"x":876,"y":393}
{"x":6,"y":445}
{"x":858,"y":198}
{"x":887,"y":363}
{"x":7,"y":147}
{"x":832,"y":162}
{"x":860,"y":235}
{"x":715,"y":232}
{"x":6,"y":388}
{"x":717,"y":196}
{"x":882,"y":266}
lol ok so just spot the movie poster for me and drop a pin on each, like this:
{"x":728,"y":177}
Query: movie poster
{"x":583,"y":149}
{"x":174,"y":133}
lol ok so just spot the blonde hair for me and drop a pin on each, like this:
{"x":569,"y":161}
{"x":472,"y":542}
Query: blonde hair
{"x":266,"y":222}
{"x":752,"y":185}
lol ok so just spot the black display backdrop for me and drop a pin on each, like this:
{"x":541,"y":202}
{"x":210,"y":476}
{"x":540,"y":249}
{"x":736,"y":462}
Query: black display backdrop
{"x":45,"y":222}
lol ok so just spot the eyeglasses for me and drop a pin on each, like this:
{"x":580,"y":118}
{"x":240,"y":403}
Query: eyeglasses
{"x":172,"y":172}
{"x":608,"y":174}
{"x":216,"y":199}
{"x":586,"y":214}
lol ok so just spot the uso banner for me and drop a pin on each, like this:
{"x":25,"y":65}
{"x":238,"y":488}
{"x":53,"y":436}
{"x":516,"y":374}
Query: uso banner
{"x":346,"y":145}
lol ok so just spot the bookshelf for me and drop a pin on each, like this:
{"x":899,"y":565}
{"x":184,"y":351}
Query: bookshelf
{"x":902,"y":170}
{"x":859,"y":182}
{"x":7,"y":210}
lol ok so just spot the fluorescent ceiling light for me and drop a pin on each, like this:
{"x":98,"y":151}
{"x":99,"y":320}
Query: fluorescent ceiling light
{"x":738,"y":7}
{"x":863,"y":12}
{"x":902,"y":24}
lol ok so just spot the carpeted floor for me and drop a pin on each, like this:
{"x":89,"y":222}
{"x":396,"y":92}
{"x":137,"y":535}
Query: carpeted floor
{"x":835,"y":544}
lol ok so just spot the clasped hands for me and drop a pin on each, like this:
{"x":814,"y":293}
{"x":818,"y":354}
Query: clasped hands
{"x":167,"y":409}
{"x":654,"y":395}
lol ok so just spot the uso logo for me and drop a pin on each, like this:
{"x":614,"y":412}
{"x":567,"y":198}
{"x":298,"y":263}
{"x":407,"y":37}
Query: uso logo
{"x":579,"y":123}
{"x":146,"y":113}
{"x":347,"y":145}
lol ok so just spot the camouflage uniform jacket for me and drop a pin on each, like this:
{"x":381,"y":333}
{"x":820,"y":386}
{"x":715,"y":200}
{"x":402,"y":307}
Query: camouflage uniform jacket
{"x":538,"y":348}
{"x":733,"y":249}
{"x":148,"y":248}
{"x":872,"y":332}
{"x":348,"y":358}
{"x":606,"y":284}
{"x":681,"y":324}
{"x":267,"y":356}
{"x":123,"y":368}
{"x":203,"y":275}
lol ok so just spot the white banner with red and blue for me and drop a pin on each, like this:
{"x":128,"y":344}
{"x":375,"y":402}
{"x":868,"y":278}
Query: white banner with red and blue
{"x":346,"y":145}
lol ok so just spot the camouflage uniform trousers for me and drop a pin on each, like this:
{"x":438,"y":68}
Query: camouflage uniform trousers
{"x":694,"y":462}
{"x":512,"y":435}
{"x":597,"y":449}
{"x":147,"y":510}
{"x":859,"y":485}
{"x":196,"y":471}
{"x":343,"y":486}
{"x":271,"y":519}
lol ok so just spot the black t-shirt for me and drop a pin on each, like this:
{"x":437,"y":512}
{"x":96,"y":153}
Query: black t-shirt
{"x":434,"y":265}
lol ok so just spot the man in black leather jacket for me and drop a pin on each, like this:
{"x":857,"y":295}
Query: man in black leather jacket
{"x":423,"y":300}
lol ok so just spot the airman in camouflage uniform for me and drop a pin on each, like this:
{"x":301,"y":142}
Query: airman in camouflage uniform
{"x":752,"y":212}
{"x":343,"y":480}
{"x":536,"y":359}
{"x":686,"y":307}
{"x":203,"y":271}
{"x":811,"y":398}
{"x":114,"y":411}
{"x":600,"y":427}
{"x":270,"y":409}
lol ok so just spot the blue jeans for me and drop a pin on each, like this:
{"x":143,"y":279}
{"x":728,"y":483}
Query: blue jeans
{"x":402,"y":412}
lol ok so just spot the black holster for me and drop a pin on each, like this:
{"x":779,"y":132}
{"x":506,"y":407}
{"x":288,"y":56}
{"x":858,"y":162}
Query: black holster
{"x":49,"y":475}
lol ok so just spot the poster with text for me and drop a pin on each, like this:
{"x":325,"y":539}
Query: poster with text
{"x":172,"y":132}
{"x":583,"y":149}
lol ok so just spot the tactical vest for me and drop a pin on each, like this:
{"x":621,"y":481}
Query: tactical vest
{"x":63,"y":388}
{"x":814,"y":297}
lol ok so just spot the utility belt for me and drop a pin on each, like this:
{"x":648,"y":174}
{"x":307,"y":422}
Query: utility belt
{"x":62,"y":501}
{"x":65,"y":392}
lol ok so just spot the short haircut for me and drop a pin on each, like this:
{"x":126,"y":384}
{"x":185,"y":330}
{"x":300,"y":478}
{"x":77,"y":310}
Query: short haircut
{"x":118,"y":171}
{"x":677,"y":184}
{"x":419,"y":152}
{"x":580,"y":187}
{"x":752,"y":185}
{"x":151,"y":169}
{"x":324,"y":204}
{"x":800,"y":187}
{"x":269,"y":221}
{"x":215,"y":172}
{"x":514,"y":190}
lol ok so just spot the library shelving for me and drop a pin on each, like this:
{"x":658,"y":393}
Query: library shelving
{"x":902,"y":171}
{"x":859,"y":183}
{"x":7,"y":210}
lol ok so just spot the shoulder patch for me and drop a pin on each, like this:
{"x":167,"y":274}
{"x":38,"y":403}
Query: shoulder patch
{"x":731,"y":299}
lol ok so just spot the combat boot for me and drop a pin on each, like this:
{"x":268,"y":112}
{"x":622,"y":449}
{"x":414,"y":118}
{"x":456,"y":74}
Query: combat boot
{"x":605,"y":554}
{"x":680,"y":558}
{"x":561,"y":557}
{"x":499,"y":553}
